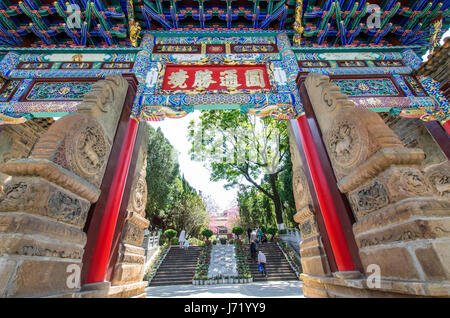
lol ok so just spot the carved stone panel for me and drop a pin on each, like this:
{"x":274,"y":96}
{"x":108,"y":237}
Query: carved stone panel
{"x":132,"y":234}
{"x":77,"y":143}
{"x":138,"y":198}
{"x":438,"y":177}
{"x":354,"y":136}
{"x":300,"y":188}
{"x":393,"y":185}
{"x":38,"y":196}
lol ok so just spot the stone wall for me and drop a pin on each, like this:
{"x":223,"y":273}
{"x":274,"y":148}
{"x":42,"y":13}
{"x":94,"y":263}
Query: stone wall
{"x":401,"y":209}
{"x":53,"y":175}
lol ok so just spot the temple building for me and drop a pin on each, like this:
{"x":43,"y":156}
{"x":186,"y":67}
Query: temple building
{"x":368,"y":124}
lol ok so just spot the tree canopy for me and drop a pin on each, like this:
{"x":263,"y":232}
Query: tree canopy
{"x":245,"y":150}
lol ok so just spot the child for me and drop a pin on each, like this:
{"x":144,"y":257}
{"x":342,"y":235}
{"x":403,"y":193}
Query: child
{"x":186,"y":244}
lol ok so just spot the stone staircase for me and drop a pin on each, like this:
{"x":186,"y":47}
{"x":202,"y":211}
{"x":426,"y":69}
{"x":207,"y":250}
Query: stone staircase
{"x":277,"y":265}
{"x":178,"y":267}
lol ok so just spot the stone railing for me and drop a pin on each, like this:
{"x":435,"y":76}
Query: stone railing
{"x":151,"y":241}
{"x":151,"y":247}
{"x":292,"y":236}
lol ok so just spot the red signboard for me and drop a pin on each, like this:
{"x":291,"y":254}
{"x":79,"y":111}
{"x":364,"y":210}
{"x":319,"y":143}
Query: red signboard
{"x":215,"y":77}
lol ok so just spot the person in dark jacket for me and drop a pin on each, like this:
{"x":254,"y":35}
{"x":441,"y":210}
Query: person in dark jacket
{"x":249,"y":232}
{"x":254,"y":251}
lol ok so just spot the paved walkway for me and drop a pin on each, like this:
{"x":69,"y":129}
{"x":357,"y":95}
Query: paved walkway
{"x":279,"y":289}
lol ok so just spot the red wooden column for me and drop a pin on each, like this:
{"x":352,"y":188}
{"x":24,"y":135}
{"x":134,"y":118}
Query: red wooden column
{"x":100,"y":256}
{"x":333,"y":225}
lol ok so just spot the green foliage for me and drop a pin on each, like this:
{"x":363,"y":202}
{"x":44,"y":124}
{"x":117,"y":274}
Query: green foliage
{"x":207,"y":233}
{"x":174,"y":241}
{"x":240,"y":148}
{"x":195,"y":241}
{"x":283,"y":231}
{"x":170,"y":234}
{"x":223,"y":241}
{"x":201,"y":269}
{"x":162,"y":169}
{"x":272,"y":230}
{"x":237,"y":230}
{"x":242,"y":261}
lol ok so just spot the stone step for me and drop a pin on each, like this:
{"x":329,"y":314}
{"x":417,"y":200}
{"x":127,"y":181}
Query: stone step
{"x":187,"y":275}
{"x":171,"y":280}
{"x":181,"y":282}
{"x":175,"y":265}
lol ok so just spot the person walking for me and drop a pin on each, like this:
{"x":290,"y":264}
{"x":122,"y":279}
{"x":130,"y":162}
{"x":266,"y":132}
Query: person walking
{"x":249,"y":232}
{"x":182,"y":238}
{"x":254,"y":250}
{"x":260,"y":234}
{"x":262,"y":262}
{"x":186,"y":244}
{"x":253,"y":236}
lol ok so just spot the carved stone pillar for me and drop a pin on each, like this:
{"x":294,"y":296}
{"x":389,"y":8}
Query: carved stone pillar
{"x":401,"y":226}
{"x":129,"y":268}
{"x":47,"y":196}
{"x":313,"y":257}
{"x":45,"y":204}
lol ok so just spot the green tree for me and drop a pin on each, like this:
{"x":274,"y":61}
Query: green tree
{"x":207,"y":233}
{"x":162,"y":170}
{"x":238,"y":146}
{"x":237,"y":230}
{"x":170,"y":234}
{"x":186,"y":210}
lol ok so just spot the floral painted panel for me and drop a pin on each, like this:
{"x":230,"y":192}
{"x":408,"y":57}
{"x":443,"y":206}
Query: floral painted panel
{"x":367,"y":87}
{"x":58,"y":91}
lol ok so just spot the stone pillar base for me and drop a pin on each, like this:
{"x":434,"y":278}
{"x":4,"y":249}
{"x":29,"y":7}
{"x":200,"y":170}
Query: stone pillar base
{"x":128,"y":291}
{"x":321,"y":286}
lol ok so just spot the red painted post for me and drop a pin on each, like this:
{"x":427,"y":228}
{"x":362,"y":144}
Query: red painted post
{"x":100,"y":256}
{"x":446,"y":125}
{"x":335,"y":232}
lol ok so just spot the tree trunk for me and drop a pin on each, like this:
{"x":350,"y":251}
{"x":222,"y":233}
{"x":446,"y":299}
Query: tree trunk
{"x":276,"y":199}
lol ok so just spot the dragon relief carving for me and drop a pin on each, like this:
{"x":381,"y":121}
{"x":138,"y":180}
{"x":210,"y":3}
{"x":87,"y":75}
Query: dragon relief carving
{"x":370,"y":198}
{"x":91,"y":151}
{"x":437,"y":177}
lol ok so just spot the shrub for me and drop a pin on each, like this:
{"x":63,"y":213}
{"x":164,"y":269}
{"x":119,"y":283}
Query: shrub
{"x":272,"y":230}
{"x":174,"y":241}
{"x":207,"y":233}
{"x":170,"y":234}
{"x":231,"y":241}
{"x":215,"y":242}
{"x":283,"y":231}
{"x":223,"y":241}
{"x":195,"y":241}
{"x":237,"y":230}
